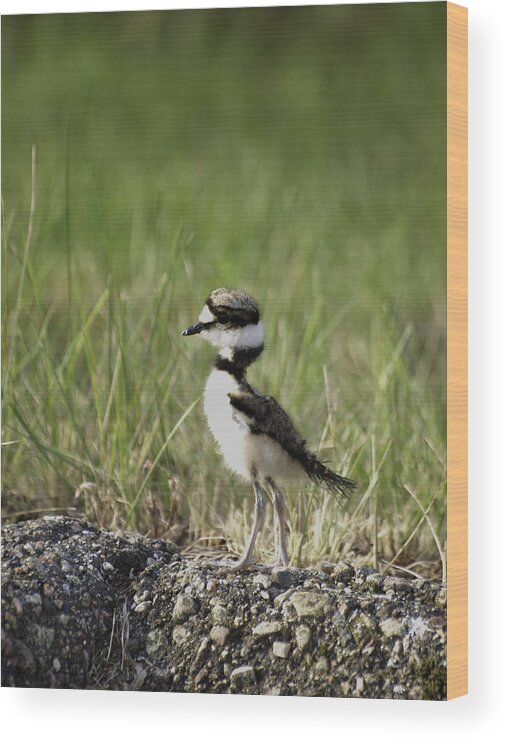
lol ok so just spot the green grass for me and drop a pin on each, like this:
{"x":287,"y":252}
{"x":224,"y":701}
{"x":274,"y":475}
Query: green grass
{"x":298,"y":154}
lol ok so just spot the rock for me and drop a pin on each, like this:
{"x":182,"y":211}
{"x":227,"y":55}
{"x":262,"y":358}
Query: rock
{"x":263,"y":580}
{"x":285,"y":577}
{"x":219,"y":634}
{"x":280,"y":600}
{"x":344,"y":572}
{"x":243,"y":679}
{"x":392,"y":628}
{"x":281,"y":649}
{"x":310,"y":604}
{"x":219,"y":615}
{"x":374,"y":582}
{"x":180,"y":634}
{"x":326,"y":567}
{"x":44,"y":636}
{"x":303,"y":636}
{"x":156,"y":643}
{"x":197,"y":583}
{"x":264,"y":629}
{"x":143,"y":607}
{"x":441,"y":598}
{"x":184,"y":608}
{"x":362,"y":626}
{"x":34,"y":599}
{"x":416,"y":693}
{"x":322,"y":664}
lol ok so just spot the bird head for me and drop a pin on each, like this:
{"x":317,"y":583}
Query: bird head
{"x":230,"y":319}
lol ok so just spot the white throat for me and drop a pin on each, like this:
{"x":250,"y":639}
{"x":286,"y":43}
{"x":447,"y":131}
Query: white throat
{"x":242,"y":337}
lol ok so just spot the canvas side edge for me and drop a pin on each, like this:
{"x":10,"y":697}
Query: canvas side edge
{"x":457,"y":349}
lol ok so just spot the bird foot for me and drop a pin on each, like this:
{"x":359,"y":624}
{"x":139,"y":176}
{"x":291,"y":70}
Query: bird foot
{"x":279,"y":564}
{"x":234,"y":566}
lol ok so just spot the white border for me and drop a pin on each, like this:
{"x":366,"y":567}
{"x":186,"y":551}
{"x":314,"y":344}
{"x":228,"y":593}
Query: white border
{"x":57,"y":714}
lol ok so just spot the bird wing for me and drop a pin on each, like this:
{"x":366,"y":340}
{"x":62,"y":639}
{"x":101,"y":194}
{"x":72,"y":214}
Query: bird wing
{"x":264,"y":415}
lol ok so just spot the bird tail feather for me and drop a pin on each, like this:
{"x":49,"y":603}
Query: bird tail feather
{"x":321,"y":475}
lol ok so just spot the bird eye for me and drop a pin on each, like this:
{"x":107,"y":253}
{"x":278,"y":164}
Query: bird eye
{"x":222,"y":319}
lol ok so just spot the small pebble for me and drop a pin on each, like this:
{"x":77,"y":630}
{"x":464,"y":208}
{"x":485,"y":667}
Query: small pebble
{"x":263,"y":629}
{"x":47,"y":589}
{"x":184,"y":608}
{"x":392,"y":628}
{"x":303,"y":636}
{"x":326,"y":567}
{"x":219,"y":634}
{"x":34,"y":599}
{"x":180,"y":634}
{"x":285,"y":577}
{"x":322,"y":664}
{"x":219,"y":614}
{"x":243,"y":678}
{"x":144,"y":606}
{"x":262,"y":579}
{"x":310,"y":603}
{"x":344,"y":572}
{"x":281,"y":649}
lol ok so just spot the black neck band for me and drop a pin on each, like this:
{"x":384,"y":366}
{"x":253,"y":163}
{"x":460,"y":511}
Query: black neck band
{"x":230,"y":367}
{"x":241,"y":359}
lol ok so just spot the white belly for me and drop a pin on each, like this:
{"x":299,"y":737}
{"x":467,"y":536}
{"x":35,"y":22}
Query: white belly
{"x":270,"y":460}
{"x":229,"y":434}
{"x":242,"y":450}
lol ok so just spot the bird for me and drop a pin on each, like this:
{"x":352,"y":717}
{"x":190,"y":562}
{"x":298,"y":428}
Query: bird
{"x":255,"y":436}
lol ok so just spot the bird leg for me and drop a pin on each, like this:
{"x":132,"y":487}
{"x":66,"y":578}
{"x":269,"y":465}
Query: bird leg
{"x":283,"y":555}
{"x":259,"y":512}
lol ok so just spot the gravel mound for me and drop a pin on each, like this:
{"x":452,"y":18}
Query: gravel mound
{"x":87,"y":608}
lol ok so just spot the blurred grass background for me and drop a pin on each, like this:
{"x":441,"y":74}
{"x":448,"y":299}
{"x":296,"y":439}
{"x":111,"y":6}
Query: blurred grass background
{"x":297,"y":153}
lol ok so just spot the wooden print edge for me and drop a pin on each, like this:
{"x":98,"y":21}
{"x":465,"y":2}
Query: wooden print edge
{"x":457,"y":350}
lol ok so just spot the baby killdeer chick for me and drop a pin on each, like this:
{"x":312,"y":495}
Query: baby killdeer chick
{"x":256,"y":437}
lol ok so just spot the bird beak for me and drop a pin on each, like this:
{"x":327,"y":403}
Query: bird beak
{"x":194,"y":329}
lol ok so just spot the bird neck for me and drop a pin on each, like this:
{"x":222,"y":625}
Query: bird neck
{"x":236,"y":360}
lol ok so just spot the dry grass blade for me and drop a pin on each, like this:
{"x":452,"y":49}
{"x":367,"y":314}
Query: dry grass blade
{"x":435,"y":537}
{"x":373,"y":481}
{"x":414,"y":531}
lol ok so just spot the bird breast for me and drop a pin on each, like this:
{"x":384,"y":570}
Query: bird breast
{"x":227,"y":428}
{"x":242,"y":450}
